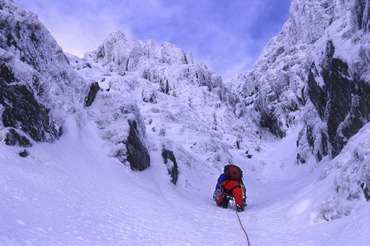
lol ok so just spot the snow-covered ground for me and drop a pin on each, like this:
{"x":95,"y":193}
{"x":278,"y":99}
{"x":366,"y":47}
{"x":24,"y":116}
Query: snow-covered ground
{"x":71,"y":193}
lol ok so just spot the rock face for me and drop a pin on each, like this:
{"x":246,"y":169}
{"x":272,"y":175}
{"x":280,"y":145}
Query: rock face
{"x":315,"y":70}
{"x":39,"y":89}
{"x":167,"y":95}
{"x":153,"y":63}
{"x":316,"y":75}
{"x":338,"y":81}
{"x":342,"y":102}
{"x":14,"y":138}
{"x":170,"y":160}
{"x":94,"y":88}
{"x":21,"y":110}
{"x":121,"y":125}
{"x":137,"y":154}
{"x":33,"y":73}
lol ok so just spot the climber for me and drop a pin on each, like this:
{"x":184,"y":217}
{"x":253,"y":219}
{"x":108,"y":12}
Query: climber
{"x":230,"y":185}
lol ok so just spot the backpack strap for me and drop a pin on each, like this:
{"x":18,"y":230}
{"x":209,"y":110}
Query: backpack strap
{"x":223,"y":186}
{"x":230,"y":191}
{"x":236,"y":186}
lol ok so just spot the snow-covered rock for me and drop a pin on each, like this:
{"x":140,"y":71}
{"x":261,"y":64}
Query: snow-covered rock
{"x":352,"y":180}
{"x":38,"y":87}
{"x":185,"y":108}
{"x":120,"y":122}
{"x":315,"y":70}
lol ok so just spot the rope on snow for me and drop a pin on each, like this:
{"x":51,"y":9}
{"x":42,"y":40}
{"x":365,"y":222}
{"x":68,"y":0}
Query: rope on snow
{"x":236,"y":211}
{"x":242,"y":227}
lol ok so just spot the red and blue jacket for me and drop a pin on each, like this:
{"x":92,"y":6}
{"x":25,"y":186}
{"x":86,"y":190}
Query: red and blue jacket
{"x":236,"y":189}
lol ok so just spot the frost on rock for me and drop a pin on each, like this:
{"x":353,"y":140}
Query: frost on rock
{"x":342,"y":102}
{"x":176,"y":101}
{"x":319,"y":62}
{"x":94,"y":88}
{"x":316,"y":74}
{"x":38,"y":87}
{"x":172,"y":167}
{"x":137,"y":154}
{"x":120,"y":123}
{"x":352,"y":180}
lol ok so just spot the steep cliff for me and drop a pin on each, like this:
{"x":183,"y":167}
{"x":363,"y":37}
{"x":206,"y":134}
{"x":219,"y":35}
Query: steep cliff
{"x":315,"y":75}
{"x":38,"y":87}
{"x":315,"y":70}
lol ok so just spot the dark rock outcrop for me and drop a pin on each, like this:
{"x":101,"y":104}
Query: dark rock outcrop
{"x":94,"y":88}
{"x":342,"y":102}
{"x":14,"y":138}
{"x":316,"y":71}
{"x":137,"y":154}
{"x":38,"y":88}
{"x":366,"y":191}
{"x":23,"y":153}
{"x":21,"y":110}
{"x":270,"y":121}
{"x":170,"y":159}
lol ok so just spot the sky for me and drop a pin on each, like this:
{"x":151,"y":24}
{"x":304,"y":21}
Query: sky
{"x":227,"y":35}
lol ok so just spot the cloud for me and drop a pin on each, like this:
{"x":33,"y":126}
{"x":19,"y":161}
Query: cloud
{"x":226,"y":35}
{"x":78,"y":26}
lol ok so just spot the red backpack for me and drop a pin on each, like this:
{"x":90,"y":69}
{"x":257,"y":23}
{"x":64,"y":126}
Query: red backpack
{"x":233,"y":172}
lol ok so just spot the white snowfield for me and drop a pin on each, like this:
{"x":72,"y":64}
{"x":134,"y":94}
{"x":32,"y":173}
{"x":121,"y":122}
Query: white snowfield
{"x":71,"y":193}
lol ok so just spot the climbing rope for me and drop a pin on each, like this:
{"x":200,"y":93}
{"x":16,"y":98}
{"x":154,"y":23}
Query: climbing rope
{"x":236,"y":211}
{"x":242,"y":227}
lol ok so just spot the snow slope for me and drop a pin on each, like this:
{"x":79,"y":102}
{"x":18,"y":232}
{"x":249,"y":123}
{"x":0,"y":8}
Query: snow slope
{"x":70,"y":193}
{"x":80,"y":190}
